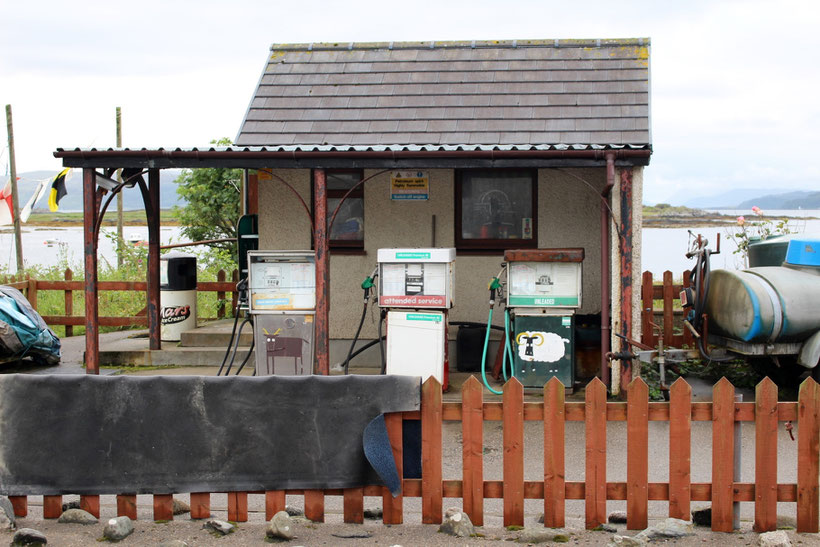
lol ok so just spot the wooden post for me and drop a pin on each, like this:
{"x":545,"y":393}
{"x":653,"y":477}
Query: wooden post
{"x":201,"y":505}
{"x":472,"y":459}
{"x":127,"y":506}
{"x":723,"y":455}
{"x":152,"y":214}
{"x":315,"y":505}
{"x":120,"y":237}
{"x":765,"y":456}
{"x":31,"y":292}
{"x":321,"y":245}
{"x":15,"y":199}
{"x":637,"y":454}
{"x":431,"y":426}
{"x":90,"y":504}
{"x":595,"y":430}
{"x":393,"y":508}
{"x":52,"y":507}
{"x":92,"y":333}
{"x":647,"y":308}
{"x":163,"y":507}
{"x":353,"y":505}
{"x":220,"y":296}
{"x":513,"y":409}
{"x":238,"y":506}
{"x":274,"y":502}
{"x":668,"y":312}
{"x":20,"y":505}
{"x":69,"y":302}
{"x":554,"y":470}
{"x":680,"y":449}
{"x":808,"y":448}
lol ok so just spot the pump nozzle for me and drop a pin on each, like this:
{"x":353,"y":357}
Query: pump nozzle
{"x":494,"y":286}
{"x":368,"y":282}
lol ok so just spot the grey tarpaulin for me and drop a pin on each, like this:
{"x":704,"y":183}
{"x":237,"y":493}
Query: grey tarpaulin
{"x":77,"y":434}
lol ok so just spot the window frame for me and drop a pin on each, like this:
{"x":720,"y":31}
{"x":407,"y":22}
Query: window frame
{"x":350,"y":246}
{"x":491,"y":246}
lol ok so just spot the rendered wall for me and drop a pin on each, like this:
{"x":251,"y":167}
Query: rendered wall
{"x":568,"y":216}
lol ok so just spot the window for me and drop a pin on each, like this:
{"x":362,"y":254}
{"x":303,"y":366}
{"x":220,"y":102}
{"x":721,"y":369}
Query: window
{"x":496,"y":209}
{"x":347,"y":231}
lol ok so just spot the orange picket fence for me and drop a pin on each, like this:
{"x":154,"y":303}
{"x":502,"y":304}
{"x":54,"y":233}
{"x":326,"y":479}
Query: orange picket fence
{"x":681,"y":411}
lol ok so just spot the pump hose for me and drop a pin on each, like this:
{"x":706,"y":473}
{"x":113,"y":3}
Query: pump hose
{"x":484,"y":355}
{"x":236,"y":344}
{"x":507,"y":347}
{"x":245,"y":360}
{"x":381,"y":343}
{"x":355,"y":338}
{"x":230,"y":342}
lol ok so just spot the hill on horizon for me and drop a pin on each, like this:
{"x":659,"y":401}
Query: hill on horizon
{"x":746,"y":198}
{"x":73,"y":200}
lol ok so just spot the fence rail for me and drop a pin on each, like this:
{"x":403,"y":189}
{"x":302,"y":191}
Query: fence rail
{"x":30,"y":286}
{"x":765,"y":492}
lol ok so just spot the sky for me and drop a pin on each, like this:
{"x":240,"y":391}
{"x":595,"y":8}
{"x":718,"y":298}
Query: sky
{"x":735,"y":85}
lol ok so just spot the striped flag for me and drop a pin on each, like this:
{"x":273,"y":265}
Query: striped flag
{"x":57,"y":190}
{"x":6,"y":208}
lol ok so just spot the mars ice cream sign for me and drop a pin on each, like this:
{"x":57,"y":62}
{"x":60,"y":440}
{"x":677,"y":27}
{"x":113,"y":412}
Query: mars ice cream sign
{"x":545,"y":347}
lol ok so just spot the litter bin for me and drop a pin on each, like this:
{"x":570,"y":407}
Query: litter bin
{"x":177,"y":295}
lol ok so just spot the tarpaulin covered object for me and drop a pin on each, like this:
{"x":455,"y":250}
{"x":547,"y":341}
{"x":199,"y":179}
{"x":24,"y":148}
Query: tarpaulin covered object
{"x":77,"y":434}
{"x":23,"y":332}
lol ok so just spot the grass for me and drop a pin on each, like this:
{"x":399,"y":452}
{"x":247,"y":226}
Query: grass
{"x":121,"y":303}
{"x":129,"y":218}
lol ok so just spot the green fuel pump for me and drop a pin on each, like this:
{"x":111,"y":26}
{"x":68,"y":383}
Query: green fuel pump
{"x":543,"y":290}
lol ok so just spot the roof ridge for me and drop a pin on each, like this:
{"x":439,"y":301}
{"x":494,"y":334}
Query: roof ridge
{"x":464,"y":44}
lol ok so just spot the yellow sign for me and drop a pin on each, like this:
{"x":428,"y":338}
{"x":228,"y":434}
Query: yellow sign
{"x":409,"y":185}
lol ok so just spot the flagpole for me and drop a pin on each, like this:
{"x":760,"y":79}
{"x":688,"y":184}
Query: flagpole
{"x":120,"y":238}
{"x":15,"y":202}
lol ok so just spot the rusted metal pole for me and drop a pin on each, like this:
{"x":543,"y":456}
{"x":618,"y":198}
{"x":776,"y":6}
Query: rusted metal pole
{"x":152,"y":217}
{"x":606,"y":329}
{"x":321,"y":245}
{"x":626,"y":268}
{"x":15,"y":198}
{"x":120,"y":237}
{"x":92,"y":333}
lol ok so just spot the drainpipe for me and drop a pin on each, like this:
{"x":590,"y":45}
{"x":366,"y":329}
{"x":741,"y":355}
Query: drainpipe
{"x":605,"y":319}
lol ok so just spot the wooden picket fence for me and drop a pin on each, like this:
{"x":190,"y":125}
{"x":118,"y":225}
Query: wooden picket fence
{"x":30,"y":286}
{"x":671,"y":324}
{"x":766,"y":413}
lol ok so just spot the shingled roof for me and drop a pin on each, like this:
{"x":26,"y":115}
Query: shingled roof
{"x":513,"y":94}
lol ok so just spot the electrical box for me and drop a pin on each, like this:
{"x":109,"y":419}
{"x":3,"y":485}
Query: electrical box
{"x":282,"y":281}
{"x":544,"y":278}
{"x":282,"y":300}
{"x":416,"y":278}
{"x":414,"y":344}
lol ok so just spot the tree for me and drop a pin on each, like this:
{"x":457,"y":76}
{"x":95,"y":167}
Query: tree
{"x":213,"y":203}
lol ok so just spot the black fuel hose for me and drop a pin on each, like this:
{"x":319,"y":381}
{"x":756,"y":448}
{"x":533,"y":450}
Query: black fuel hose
{"x":356,"y":338}
{"x":230,"y":342}
{"x":381,"y":342}
{"x":248,"y":356}
{"x":236,"y":343}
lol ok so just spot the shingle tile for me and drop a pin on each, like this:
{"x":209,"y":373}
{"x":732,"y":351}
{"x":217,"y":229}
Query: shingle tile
{"x":576,"y":93}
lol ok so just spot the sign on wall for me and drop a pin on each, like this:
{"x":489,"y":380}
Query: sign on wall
{"x":409,"y":185}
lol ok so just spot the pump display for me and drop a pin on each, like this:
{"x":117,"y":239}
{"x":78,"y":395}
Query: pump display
{"x":543,"y":291}
{"x":416,"y":290}
{"x":282,"y":301}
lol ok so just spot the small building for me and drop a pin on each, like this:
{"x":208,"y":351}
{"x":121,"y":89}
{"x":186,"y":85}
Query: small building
{"x":506,"y":142}
{"x":482,"y":146}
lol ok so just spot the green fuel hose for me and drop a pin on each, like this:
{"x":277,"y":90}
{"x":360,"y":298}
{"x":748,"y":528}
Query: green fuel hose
{"x":484,"y":355}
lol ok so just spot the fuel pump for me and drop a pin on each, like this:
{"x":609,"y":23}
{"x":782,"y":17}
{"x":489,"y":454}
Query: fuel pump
{"x":282,"y":302}
{"x":416,"y":290}
{"x":543,"y":290}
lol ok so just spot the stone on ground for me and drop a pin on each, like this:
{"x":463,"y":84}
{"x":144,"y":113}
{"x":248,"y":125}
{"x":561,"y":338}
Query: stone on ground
{"x":280,"y":526}
{"x":28,"y":536}
{"x":7,"y":519}
{"x":294,"y":511}
{"x":669,"y":528}
{"x":457,"y":523}
{"x":219,"y":526}
{"x":173,"y":543}
{"x":181,"y":507}
{"x":778,"y":538}
{"x":541,"y":535}
{"x":617,"y":517}
{"x":373,"y":513}
{"x":702,"y":516}
{"x":627,"y":541}
{"x":118,"y":528}
{"x":77,"y":516}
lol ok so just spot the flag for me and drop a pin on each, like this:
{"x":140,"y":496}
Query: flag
{"x":57,"y":190}
{"x":6,"y":209}
{"x":39,"y":192}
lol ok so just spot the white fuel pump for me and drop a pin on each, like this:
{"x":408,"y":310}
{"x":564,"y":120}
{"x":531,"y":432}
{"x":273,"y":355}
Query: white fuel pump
{"x":416,"y":288}
{"x":282,"y":301}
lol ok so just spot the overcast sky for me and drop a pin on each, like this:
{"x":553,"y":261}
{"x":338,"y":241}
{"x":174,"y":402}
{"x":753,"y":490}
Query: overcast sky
{"x":735,"y":84}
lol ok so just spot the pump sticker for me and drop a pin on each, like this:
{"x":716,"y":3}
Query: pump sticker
{"x":424,"y":317}
{"x":412,"y":256}
{"x":545,"y":301}
{"x":413,"y":301}
{"x":546,"y":347}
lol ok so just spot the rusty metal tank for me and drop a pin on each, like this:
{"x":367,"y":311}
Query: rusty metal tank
{"x":768,"y":304}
